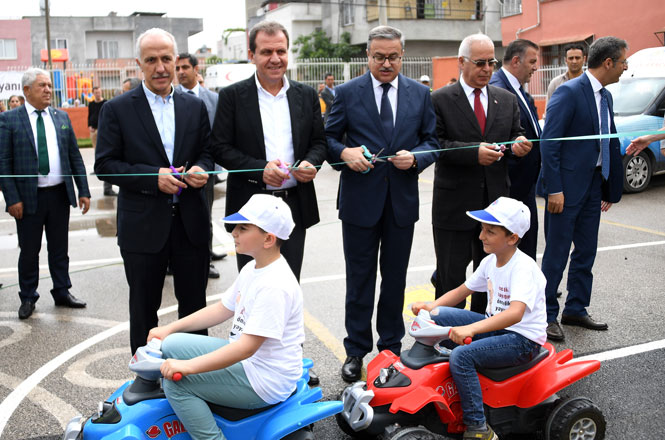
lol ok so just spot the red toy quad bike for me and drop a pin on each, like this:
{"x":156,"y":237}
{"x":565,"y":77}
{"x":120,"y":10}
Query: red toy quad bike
{"x":413,"y":397}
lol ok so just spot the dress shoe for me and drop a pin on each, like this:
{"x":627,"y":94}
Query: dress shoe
{"x":213,"y":272}
{"x":554,"y":331}
{"x":352,"y":368}
{"x":313,"y":378}
{"x":70,"y":301}
{"x":26,"y":309}
{"x":110,"y":193}
{"x":583,"y":321}
{"x":217,"y":257}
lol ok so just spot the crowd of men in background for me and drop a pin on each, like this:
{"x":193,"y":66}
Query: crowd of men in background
{"x":287,"y":130}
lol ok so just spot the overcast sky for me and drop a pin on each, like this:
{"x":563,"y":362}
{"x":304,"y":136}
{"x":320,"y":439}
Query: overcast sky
{"x":217,"y":14}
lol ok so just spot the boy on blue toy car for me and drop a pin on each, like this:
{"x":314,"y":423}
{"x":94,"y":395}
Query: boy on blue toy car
{"x":262,"y":361}
{"x":513,"y":328}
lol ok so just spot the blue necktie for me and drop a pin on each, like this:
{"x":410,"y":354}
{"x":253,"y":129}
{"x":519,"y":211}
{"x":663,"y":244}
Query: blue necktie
{"x":604,"y":129}
{"x":386,"y":112}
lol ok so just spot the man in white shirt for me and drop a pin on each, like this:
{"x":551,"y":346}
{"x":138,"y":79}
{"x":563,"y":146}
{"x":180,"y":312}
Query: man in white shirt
{"x":37,"y":140}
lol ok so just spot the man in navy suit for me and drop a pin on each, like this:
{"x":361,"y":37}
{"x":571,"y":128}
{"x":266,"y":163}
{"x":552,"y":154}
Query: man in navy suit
{"x":39,"y":141}
{"x":378,"y":201}
{"x":146,"y":138}
{"x":519,"y":63}
{"x":187,"y":69}
{"x":579,"y":179}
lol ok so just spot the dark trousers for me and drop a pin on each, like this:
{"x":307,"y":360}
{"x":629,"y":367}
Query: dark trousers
{"x":577,"y":225}
{"x":391,"y":245}
{"x":210,"y":198}
{"x":52,"y":216}
{"x":293,"y":249}
{"x":528,"y":243}
{"x":145,"y":275}
{"x":454,"y":250}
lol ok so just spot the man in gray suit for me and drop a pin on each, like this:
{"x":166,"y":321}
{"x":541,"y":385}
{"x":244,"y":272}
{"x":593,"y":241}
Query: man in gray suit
{"x":187,"y":69}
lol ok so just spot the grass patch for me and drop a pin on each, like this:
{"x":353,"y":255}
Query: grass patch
{"x":85,"y":143}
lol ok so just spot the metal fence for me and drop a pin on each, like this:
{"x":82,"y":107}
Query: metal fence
{"x":541,"y":79}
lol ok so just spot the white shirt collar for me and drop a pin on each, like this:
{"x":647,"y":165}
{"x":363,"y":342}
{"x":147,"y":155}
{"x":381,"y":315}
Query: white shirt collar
{"x":511,"y":78}
{"x":468,"y":90}
{"x":31,"y":109}
{"x":595,"y":84}
{"x":196,"y":89}
{"x":376,"y":83}
{"x":152,"y":96}
{"x":285,"y":85}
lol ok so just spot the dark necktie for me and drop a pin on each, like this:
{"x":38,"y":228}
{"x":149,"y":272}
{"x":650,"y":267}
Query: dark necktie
{"x":191,"y":92}
{"x":604,"y":129}
{"x":532,"y":111}
{"x":479,"y":110}
{"x":42,"y":148}
{"x":386,"y":112}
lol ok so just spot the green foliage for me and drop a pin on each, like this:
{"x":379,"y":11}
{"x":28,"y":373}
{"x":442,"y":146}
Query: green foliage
{"x":319,"y":45}
{"x":213,"y":60}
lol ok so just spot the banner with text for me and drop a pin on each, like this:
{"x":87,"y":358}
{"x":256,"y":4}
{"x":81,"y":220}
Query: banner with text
{"x":10,"y":84}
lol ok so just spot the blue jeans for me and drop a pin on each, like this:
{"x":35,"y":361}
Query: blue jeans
{"x":495,"y":349}
{"x":188,"y":397}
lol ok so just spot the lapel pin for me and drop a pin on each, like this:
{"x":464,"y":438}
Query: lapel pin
{"x":63,"y":127}
{"x":496,"y":102}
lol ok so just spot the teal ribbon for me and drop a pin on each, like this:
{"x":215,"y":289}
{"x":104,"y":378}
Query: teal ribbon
{"x":630,"y":134}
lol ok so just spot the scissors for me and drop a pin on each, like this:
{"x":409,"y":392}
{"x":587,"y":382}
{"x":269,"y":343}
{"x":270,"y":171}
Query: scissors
{"x":371,"y":158}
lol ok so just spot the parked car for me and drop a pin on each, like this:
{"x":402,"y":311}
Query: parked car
{"x":639,"y":104}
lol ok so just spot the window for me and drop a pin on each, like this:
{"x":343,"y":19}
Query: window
{"x":8,"y":49}
{"x":107,"y":49}
{"x":511,"y":7}
{"x":347,"y":12}
{"x":58,"y":43}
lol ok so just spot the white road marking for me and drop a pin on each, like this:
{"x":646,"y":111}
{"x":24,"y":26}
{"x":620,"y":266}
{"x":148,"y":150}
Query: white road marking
{"x":77,"y":374}
{"x":19,"y":331}
{"x":624,"y":352}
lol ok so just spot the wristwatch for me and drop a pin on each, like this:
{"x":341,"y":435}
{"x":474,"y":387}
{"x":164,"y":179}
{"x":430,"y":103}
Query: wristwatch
{"x":415,"y":163}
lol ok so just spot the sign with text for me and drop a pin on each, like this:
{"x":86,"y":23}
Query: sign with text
{"x":10,"y":84}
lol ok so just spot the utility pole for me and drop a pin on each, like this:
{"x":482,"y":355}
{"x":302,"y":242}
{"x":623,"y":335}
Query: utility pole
{"x":48,"y":34}
{"x":383,"y":13}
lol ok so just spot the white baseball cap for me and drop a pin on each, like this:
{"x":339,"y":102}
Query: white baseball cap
{"x":504,"y":211}
{"x":268,"y":212}
{"x":424,"y":78}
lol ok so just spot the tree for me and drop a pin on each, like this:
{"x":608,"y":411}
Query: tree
{"x":214,"y":59}
{"x":319,"y":45}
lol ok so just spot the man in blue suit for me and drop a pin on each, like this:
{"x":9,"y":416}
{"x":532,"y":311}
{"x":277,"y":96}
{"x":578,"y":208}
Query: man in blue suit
{"x":519,"y":63}
{"x":37,"y":140}
{"x":378,"y":201}
{"x":579,"y":179}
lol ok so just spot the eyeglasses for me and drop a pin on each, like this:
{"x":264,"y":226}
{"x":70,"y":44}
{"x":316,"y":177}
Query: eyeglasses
{"x":481,"y":63}
{"x":380,"y":58}
{"x":624,"y":62}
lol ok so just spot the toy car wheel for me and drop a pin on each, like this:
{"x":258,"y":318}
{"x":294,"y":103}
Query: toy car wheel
{"x":575,"y":419}
{"x":396,"y":432}
{"x":637,"y":172}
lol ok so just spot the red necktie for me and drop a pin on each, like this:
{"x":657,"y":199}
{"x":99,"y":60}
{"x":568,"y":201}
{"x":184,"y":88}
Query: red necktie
{"x":479,"y":110}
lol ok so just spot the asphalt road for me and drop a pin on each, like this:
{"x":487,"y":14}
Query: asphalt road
{"x":62,"y":362}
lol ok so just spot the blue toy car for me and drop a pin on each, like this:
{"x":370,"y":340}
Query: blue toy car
{"x":139,"y":410}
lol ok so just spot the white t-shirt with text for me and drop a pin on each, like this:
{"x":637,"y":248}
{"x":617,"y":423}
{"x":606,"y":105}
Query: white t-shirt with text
{"x":518,"y":280}
{"x":268,"y":302}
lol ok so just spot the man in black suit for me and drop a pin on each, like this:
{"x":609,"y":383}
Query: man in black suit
{"x":467,"y":176}
{"x":328,"y":94}
{"x":266,"y":122}
{"x":37,"y":140}
{"x":519,"y":63}
{"x":147,"y":137}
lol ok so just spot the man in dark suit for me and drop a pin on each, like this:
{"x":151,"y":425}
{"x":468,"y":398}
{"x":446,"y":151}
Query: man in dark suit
{"x":266,"y":122}
{"x":37,"y":140}
{"x":579,"y":179}
{"x":381,"y":111}
{"x":187,"y":69}
{"x":467,"y":177}
{"x":146,"y":138}
{"x":519,"y":63}
{"x":328,"y":94}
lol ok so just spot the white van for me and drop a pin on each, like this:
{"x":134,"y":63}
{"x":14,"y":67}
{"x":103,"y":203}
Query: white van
{"x":639,"y":104}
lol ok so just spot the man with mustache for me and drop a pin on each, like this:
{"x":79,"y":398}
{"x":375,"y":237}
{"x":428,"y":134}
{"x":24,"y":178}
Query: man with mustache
{"x":382,"y":113}
{"x":148,"y":137}
{"x":469,"y":177}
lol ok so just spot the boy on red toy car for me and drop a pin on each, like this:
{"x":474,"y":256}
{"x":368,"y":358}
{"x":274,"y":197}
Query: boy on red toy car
{"x":513,"y":328}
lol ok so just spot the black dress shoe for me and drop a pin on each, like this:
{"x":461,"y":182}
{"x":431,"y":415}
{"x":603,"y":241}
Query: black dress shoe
{"x":70,"y":301}
{"x":313,"y":378}
{"x":352,"y":368}
{"x":213,"y":272}
{"x":583,"y":321}
{"x":554,"y":331}
{"x":217,"y":257}
{"x":26,"y":309}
